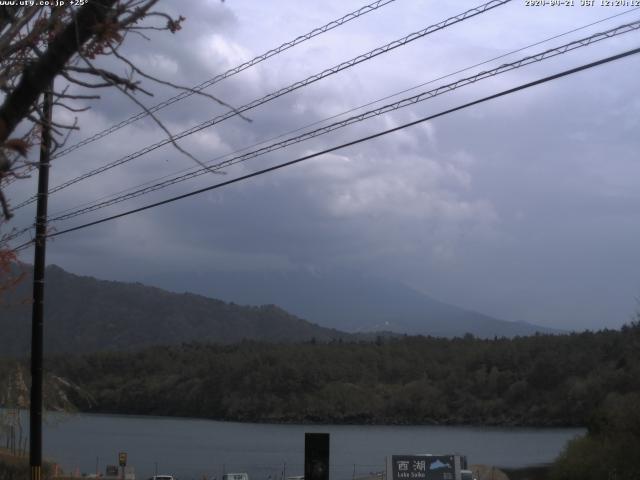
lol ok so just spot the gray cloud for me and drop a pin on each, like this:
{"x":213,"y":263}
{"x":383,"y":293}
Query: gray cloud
{"x":525,"y":208}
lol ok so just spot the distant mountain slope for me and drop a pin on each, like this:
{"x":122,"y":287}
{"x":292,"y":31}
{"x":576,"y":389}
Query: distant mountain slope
{"x":83,"y":314}
{"x":347,"y":301}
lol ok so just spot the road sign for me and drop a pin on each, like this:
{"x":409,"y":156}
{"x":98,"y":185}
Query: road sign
{"x":122,"y":459}
{"x":423,"y":467}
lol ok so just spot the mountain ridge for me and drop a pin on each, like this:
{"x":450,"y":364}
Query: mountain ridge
{"x":84,"y":314}
{"x":348,"y":301}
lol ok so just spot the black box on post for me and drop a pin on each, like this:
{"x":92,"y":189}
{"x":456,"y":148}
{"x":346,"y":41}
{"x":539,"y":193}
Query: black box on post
{"x":316,"y":456}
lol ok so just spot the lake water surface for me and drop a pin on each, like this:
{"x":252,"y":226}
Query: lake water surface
{"x":191,"y":448}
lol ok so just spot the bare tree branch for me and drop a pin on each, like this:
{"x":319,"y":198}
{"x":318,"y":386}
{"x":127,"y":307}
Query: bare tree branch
{"x":155,"y":119}
{"x":39,"y":44}
{"x":38,"y":75}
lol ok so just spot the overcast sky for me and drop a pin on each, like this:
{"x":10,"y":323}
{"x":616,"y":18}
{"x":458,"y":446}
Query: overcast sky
{"x":526,"y":208}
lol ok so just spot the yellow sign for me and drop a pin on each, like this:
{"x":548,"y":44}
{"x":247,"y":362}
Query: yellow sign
{"x":122,"y":459}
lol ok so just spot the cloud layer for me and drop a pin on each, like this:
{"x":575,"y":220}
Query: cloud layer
{"x":525,"y":208}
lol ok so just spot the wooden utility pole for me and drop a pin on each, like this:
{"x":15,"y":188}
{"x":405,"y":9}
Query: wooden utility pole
{"x":37,"y":315}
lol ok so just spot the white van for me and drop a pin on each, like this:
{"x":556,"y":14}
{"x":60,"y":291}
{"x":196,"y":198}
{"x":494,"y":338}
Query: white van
{"x":466,"y":475}
{"x":235,"y":476}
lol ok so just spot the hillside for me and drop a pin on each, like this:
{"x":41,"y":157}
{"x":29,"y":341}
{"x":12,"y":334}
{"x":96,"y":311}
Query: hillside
{"x":544,"y":380}
{"x":83,"y":314}
{"x":347,"y":301}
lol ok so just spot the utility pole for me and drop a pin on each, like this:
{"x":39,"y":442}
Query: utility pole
{"x":37,"y":315}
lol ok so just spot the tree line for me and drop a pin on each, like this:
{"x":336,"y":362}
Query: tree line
{"x":542,"y":380}
{"x":587,"y":379}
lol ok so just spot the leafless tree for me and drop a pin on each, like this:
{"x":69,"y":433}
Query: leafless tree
{"x":39,"y":44}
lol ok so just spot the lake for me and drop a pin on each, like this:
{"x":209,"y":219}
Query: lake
{"x":191,"y":448}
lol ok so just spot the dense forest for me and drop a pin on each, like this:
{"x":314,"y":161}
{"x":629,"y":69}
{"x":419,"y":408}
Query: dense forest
{"x":543,"y":380}
{"x":610,"y":448}
{"x":588,"y":379}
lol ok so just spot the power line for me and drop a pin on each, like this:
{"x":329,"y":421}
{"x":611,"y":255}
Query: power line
{"x":550,"y":53}
{"x":302,"y":83}
{"x":229,"y":73}
{"x":22,"y":246}
{"x":309,"y":125}
{"x":16,"y":234}
{"x":100,"y":200}
{"x":353,"y":142}
{"x":233,"y":71}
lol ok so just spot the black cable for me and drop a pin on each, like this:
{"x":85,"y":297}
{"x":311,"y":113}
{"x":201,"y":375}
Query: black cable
{"x":233,"y":71}
{"x":272,"y":96}
{"x":354,"y":142}
{"x":262,"y":142}
{"x":406,"y":102}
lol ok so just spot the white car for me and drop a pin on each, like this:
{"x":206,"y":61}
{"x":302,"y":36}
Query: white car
{"x":235,"y":476}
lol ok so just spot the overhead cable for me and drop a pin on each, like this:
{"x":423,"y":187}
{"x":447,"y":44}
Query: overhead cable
{"x":303,"y":83}
{"x":229,"y":73}
{"x":332,"y":117}
{"x":550,"y":53}
{"x":348,"y":144}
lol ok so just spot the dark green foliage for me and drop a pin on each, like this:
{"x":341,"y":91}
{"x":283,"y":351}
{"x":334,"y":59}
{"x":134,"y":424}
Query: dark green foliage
{"x":610,"y":449}
{"x":540,"y":380}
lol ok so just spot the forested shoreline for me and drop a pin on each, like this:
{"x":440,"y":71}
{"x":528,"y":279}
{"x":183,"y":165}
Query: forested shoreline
{"x":543,"y":380}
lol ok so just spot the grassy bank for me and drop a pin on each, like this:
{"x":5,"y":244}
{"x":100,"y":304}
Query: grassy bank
{"x":16,"y":467}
